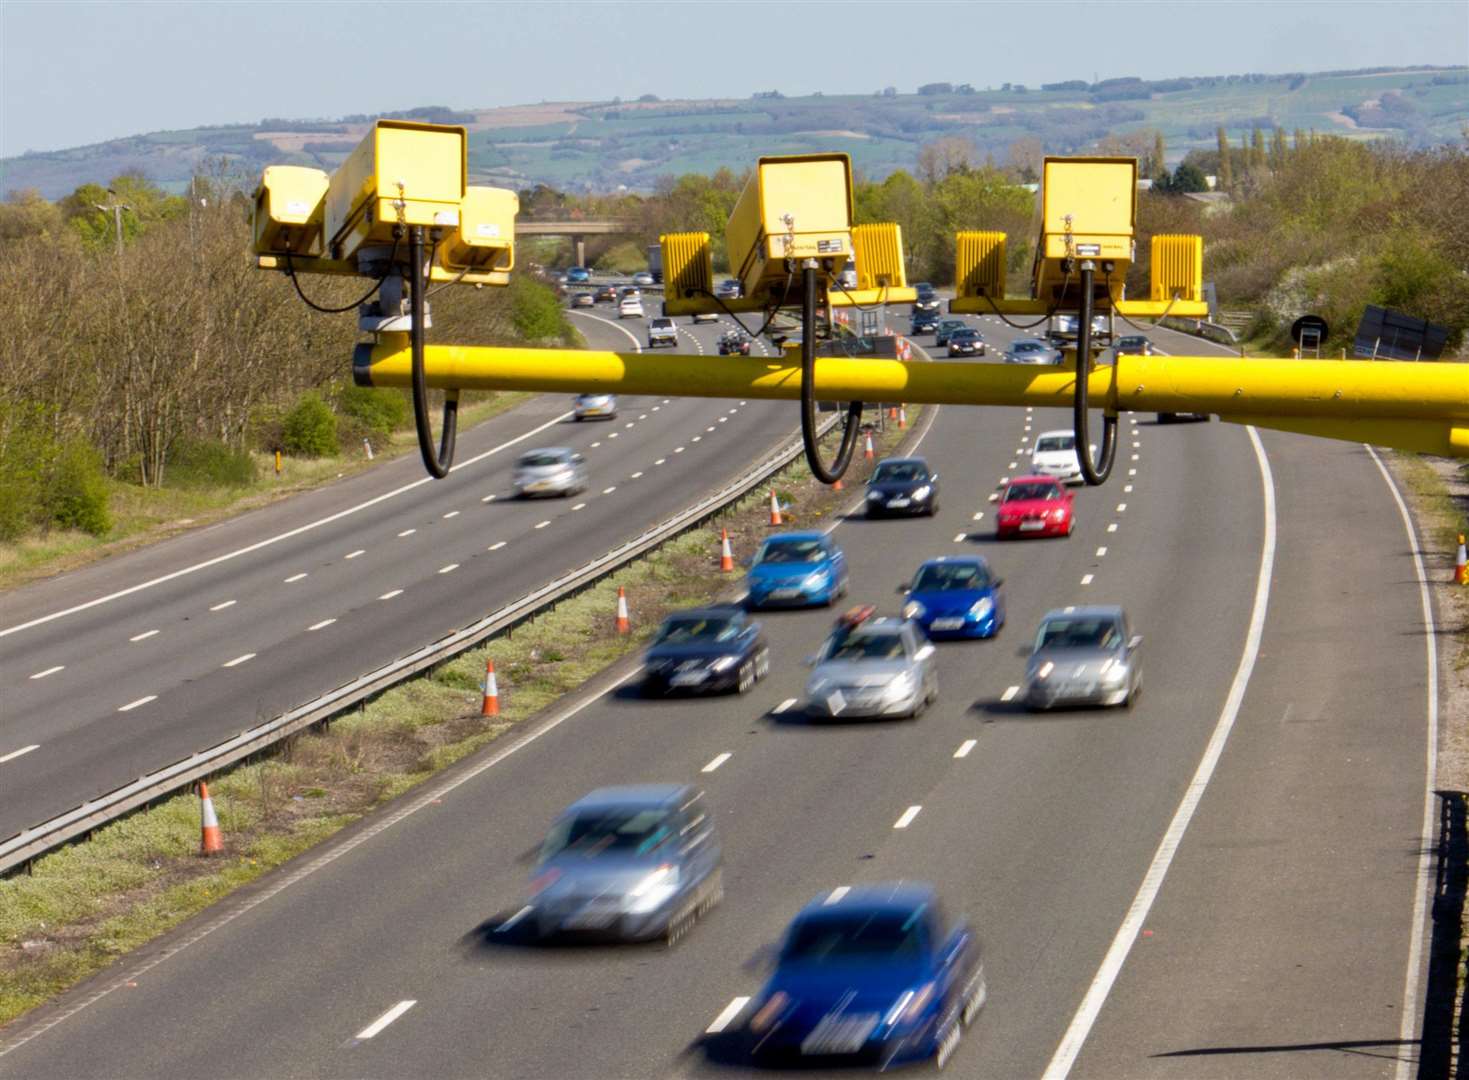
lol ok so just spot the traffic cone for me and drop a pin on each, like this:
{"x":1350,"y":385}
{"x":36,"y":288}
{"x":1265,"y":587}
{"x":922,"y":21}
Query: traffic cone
{"x":892,"y":412}
{"x":211,"y":842}
{"x":774,"y":508}
{"x":490,"y":706}
{"x":624,"y":624}
{"x":836,"y":485}
{"x":1461,"y":564}
{"x":726,"y":556}
{"x":902,"y":416}
{"x":867,"y":451}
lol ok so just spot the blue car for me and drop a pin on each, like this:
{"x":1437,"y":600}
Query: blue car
{"x":870,"y":973}
{"x":578,"y":275}
{"x":797,"y":569}
{"x":956,"y":597}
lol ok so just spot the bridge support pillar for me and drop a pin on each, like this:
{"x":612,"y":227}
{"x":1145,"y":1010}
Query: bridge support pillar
{"x":578,"y":251}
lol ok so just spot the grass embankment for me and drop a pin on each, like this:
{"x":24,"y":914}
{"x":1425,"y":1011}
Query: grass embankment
{"x":84,"y":906}
{"x":145,"y":515}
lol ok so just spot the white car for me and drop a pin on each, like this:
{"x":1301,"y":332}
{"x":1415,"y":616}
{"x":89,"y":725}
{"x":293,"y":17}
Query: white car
{"x":661,"y":332}
{"x":630,"y":307}
{"x":1055,"y":455}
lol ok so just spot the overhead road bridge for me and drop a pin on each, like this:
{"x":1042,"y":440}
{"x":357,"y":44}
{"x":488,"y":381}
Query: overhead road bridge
{"x":577,"y":230}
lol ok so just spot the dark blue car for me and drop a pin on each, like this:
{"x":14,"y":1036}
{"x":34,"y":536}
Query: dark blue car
{"x":956,"y":596}
{"x":706,"y":649}
{"x":797,"y":569}
{"x":870,"y":973}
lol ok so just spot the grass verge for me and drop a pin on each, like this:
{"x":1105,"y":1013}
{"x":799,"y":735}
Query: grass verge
{"x":144,"y":516}
{"x":84,"y":906}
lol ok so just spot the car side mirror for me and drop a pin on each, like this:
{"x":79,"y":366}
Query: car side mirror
{"x":1134,"y":641}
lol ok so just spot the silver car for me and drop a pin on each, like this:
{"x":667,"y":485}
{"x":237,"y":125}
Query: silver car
{"x":1083,"y":656}
{"x":595,"y":407}
{"x":638,"y":863}
{"x":872,"y":667}
{"x":1031,"y":351}
{"x":555,"y":470}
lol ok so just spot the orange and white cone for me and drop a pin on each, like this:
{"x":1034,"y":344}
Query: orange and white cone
{"x":892,"y":412}
{"x":774,"y":508}
{"x":726,"y":556}
{"x":490,"y":706}
{"x":902,"y":416}
{"x":867,"y":451}
{"x":836,"y":485}
{"x":624,"y":624}
{"x":211,"y":841}
{"x":1461,"y":564}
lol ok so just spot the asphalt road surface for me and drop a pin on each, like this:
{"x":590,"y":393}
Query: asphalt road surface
{"x":1267,"y":931}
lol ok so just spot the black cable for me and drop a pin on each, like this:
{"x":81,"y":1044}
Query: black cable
{"x":1065,"y":284}
{"x":853,"y":423}
{"x":882,"y":300}
{"x":291,"y":273}
{"x":1141,"y":329}
{"x":1093,"y":473}
{"x":770,"y":317}
{"x":436,"y":464}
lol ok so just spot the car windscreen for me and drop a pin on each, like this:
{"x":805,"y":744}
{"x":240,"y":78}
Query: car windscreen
{"x":899,"y":472}
{"x":942,"y":577}
{"x":661,"y":324}
{"x":634,"y":831}
{"x":541,"y":459}
{"x":685,"y":631}
{"x":792,"y":551}
{"x":963,"y":335}
{"x":841,"y":936}
{"x":1052,"y":443}
{"x":1078,"y":633}
{"x":887,"y":646}
{"x":1026,"y":492}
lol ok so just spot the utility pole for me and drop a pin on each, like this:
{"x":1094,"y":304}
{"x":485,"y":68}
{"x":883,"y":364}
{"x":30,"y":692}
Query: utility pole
{"x":116,"y":208}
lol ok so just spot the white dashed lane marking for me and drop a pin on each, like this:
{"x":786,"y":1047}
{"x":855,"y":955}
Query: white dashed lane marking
{"x":580,"y":506}
{"x":1134,"y":457}
{"x":354,"y":554}
{"x":609,"y":490}
{"x":321,"y":625}
{"x":17,"y":753}
{"x":406,"y":532}
{"x":49,"y":671}
{"x":237,"y":661}
{"x":678,"y":449}
{"x":390,"y":595}
{"x":451,"y":513}
{"x":907,"y":818}
{"x":449,"y":569}
{"x":729,"y":1012}
{"x":836,"y":894}
{"x":783,"y":706}
{"x":959,"y":539}
{"x":1127,"y":489}
{"x":488,"y":498}
{"x":1122,"y":508}
{"x":696,"y":438}
{"x":1086,"y":579}
{"x":543,"y":524}
{"x":595,"y":445}
{"x":660,"y":461}
{"x":1112,"y":527}
{"x":645,"y":415}
{"x":144,"y":636}
{"x":718,"y":761}
{"x":636,"y":475}
{"x":385,"y":1019}
{"x":294,"y":578}
{"x":131,"y":705}
{"x":1009,"y":694}
{"x":977,"y":515}
{"x":222,"y":606}
{"x":964,"y":748}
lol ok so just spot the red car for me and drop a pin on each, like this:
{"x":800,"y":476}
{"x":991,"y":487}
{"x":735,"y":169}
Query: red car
{"x":1035,"y":506}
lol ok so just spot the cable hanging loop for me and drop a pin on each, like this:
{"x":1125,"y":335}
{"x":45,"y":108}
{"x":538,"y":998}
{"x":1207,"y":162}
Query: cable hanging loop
{"x":853,"y":424}
{"x":438,"y":463}
{"x":1093,"y":473}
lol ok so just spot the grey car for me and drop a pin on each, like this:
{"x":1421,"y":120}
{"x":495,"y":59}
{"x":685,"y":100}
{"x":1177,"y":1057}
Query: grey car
{"x":876,"y":667}
{"x":1083,"y":656}
{"x":595,"y":406}
{"x":635,"y":863}
{"x":1031,"y":351}
{"x":556,"y":470}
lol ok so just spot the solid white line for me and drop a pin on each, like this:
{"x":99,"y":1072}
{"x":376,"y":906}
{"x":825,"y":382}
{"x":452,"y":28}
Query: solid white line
{"x":1086,"y":579}
{"x":321,"y":625}
{"x":1101,"y":551}
{"x":238,"y":660}
{"x":730,"y":1012}
{"x":354,"y":554}
{"x":143,"y":636}
{"x":1423,"y":884}
{"x":637,"y":346}
{"x":451,"y":513}
{"x":1096,"y":995}
{"x":221,"y":607}
{"x":17,"y":753}
{"x":496,"y":546}
{"x":718,"y":761}
{"x":960,"y":538}
{"x":509,"y":924}
{"x":964,"y":748}
{"x":390,"y":595}
{"x":837,"y":894}
{"x":450,"y":568}
{"x":294,"y":577}
{"x":385,"y":1019}
{"x":783,"y":706}
{"x":279,"y":537}
{"x":907,"y":818}
{"x":1009,"y":694}
{"x":49,"y":671}
{"x":406,"y":532}
{"x":131,"y":705}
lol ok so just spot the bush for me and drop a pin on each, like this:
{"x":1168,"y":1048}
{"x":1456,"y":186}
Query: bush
{"x":197,"y":463}
{"x":310,"y":428}
{"x":535,"y":311}
{"x":377,"y":409}
{"x":22,"y":480}
{"x":77,"y":498}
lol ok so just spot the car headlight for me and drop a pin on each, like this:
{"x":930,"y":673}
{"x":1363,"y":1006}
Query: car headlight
{"x":1044,"y":671}
{"x":922,"y":493}
{"x":914,"y":610}
{"x":656,"y":666}
{"x":816,"y":580}
{"x":1113,"y":672}
{"x":768,"y":1013}
{"x":724,"y":663}
{"x":874,"y":496}
{"x":981,"y":607}
{"x":901,"y":685}
{"x":653,"y":891}
{"x":909,"y":1006}
{"x":1058,"y":515}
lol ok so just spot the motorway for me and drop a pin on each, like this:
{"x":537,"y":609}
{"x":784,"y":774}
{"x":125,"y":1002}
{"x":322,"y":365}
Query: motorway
{"x":188,"y":642}
{"x":1221,"y":882}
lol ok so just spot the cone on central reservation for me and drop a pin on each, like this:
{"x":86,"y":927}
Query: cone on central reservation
{"x":902,"y":416}
{"x":726,"y":556}
{"x":1461,"y":563}
{"x":624,"y":624}
{"x":867,"y":451}
{"x":211,"y":840}
{"x":490,"y":706}
{"x":774,"y":508}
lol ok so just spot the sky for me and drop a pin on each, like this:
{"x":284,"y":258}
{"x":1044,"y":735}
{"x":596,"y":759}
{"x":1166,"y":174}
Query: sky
{"x":74,"y":73}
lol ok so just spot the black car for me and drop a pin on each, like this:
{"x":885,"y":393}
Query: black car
{"x":945,"y":328}
{"x":1135,"y":345}
{"x":967,"y":342}
{"x":902,"y":486}
{"x":734,"y":343}
{"x":927,"y":299}
{"x":706,"y":649}
{"x":924,"y":322}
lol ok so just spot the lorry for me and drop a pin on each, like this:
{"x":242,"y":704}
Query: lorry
{"x":655,"y":262}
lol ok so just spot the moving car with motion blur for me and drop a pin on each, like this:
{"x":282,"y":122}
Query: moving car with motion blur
{"x":796,"y":569}
{"x":555,"y":470}
{"x":1054,"y":454}
{"x":923,"y":322}
{"x":967,"y":342}
{"x":872,"y":973}
{"x":1083,"y":656}
{"x":635,"y":863}
{"x":956,"y":596}
{"x":734,"y":343}
{"x":902,"y":486}
{"x":1031,"y":351}
{"x":947,"y":327}
{"x":583,"y":299}
{"x":595,"y":407}
{"x":706,"y":650}
{"x":1035,"y":506}
{"x":661,"y":331}
{"x":871,"y":667}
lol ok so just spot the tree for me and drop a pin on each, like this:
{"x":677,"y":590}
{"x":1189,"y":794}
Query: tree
{"x":950,"y":154}
{"x":1187,"y":179}
{"x":1257,"y":150}
{"x":1226,"y":171}
{"x":1277,"y":150}
{"x":1158,"y":167}
{"x":1024,"y":160}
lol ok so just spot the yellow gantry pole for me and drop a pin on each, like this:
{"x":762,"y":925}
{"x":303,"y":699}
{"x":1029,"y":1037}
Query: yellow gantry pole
{"x":1411,"y":406}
